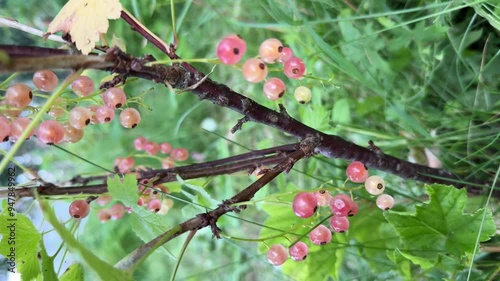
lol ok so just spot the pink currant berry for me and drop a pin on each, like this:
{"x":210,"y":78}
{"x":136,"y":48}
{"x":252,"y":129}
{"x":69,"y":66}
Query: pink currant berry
{"x":45,"y":80}
{"x":83,"y":86}
{"x":180,"y":154}
{"x":274,"y":88}
{"x":152,"y":148}
{"x":304,"y":204}
{"x":114,"y":97}
{"x":231,"y":49}
{"x":323,"y":197}
{"x":165,"y":147}
{"x":72,"y":134}
{"x":341,"y":205}
{"x":130,"y":118}
{"x":79,"y":209}
{"x":277,"y":254}
{"x":357,"y":172}
{"x":104,"y":114}
{"x":320,"y":235}
{"x":117,"y":211}
{"x":104,"y":215}
{"x":103,"y":200}
{"x":299,"y":251}
{"x":140,"y":143}
{"x":17,"y":127}
{"x":79,"y":117}
{"x":254,"y":70}
{"x":339,"y":224}
{"x":270,"y":50}
{"x":124,"y":164}
{"x":167,"y":162}
{"x":286,"y":54}
{"x":154,"y":205}
{"x":294,"y":68}
{"x":50,"y":132}
{"x":18,"y":95}
{"x":5,"y":129}
{"x":385,"y":202}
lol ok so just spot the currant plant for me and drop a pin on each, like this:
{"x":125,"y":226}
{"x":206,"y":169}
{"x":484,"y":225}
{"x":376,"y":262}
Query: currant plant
{"x":121,"y":193}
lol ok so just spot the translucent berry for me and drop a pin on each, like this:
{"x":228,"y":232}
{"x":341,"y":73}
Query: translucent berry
{"x":165,"y":147}
{"x":254,"y":70}
{"x":180,"y":154}
{"x":286,"y":54}
{"x":385,"y":201}
{"x":231,"y":49}
{"x":341,"y":205}
{"x":140,"y":143}
{"x":299,"y":251}
{"x":320,"y":235}
{"x":72,"y":134}
{"x":167,"y":162}
{"x":18,"y":126}
{"x":103,"y":200}
{"x":130,"y":118}
{"x":124,"y":164}
{"x":154,"y":205}
{"x":50,"y":132}
{"x":339,"y":224}
{"x":270,"y":50}
{"x":104,"y":114}
{"x":274,"y":88}
{"x":93,"y":113}
{"x":79,"y":117}
{"x":83,"y":86}
{"x":294,"y":68}
{"x":114,"y":97}
{"x":277,"y":254}
{"x":304,"y":204}
{"x":152,"y":148}
{"x":18,"y":95}
{"x":117,"y":211}
{"x":79,"y":209}
{"x":375,"y":185}
{"x":104,"y":215}
{"x":45,"y":80}
{"x":323,"y":197}
{"x":4,"y":129}
{"x":357,"y":172}
{"x":302,"y":94}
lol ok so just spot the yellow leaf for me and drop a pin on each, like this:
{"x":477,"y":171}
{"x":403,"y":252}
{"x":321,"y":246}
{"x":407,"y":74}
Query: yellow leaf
{"x":85,"y":20}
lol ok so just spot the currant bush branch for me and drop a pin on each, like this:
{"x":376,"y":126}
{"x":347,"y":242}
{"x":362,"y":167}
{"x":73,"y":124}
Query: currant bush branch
{"x":210,"y":218}
{"x":247,"y":162}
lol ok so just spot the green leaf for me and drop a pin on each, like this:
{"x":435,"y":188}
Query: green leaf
{"x":20,"y":241}
{"x":103,"y":269}
{"x":341,"y":112}
{"x":440,"y":226}
{"x":48,"y":271}
{"x":74,"y":273}
{"x":146,"y":224}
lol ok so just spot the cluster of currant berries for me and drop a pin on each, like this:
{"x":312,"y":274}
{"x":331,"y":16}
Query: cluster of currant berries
{"x":67,"y":126}
{"x":342,"y":206}
{"x":232,"y":48}
{"x":149,"y":197}
{"x":375,"y":185}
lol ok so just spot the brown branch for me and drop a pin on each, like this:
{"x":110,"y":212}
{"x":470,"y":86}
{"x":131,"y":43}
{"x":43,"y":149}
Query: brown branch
{"x":210,"y":218}
{"x":243,"y":162}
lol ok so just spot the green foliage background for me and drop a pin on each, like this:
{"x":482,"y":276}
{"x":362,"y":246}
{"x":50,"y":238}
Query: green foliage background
{"x":408,"y":75}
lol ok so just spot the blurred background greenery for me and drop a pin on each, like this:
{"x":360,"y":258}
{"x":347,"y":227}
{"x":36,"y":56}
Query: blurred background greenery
{"x":408,"y":75}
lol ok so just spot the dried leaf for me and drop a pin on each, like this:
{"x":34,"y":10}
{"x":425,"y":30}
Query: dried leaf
{"x":84,"y":20}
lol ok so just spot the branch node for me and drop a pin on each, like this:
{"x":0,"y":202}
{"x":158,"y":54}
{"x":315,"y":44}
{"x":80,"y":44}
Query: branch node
{"x":374,"y":148}
{"x":240,"y":123}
